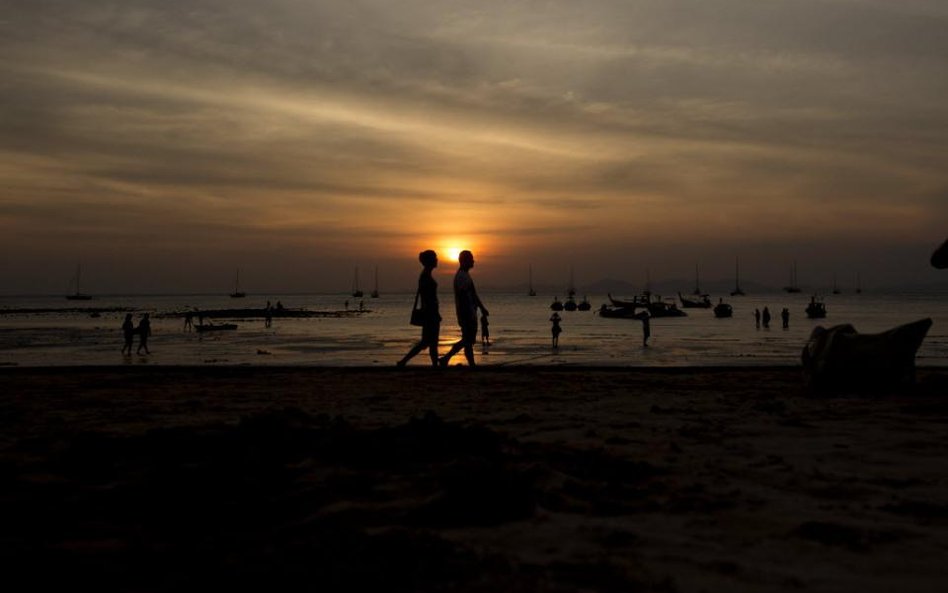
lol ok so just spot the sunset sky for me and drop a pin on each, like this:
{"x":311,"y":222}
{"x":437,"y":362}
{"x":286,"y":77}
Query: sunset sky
{"x":163,"y":144}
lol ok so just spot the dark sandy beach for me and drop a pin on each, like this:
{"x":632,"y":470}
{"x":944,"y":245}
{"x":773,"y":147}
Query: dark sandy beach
{"x":518,"y":479}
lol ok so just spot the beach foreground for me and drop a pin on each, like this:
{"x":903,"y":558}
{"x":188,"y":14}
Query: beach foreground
{"x":516,"y":479}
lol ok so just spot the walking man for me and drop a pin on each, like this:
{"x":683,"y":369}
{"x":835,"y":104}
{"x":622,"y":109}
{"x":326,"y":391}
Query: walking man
{"x":466,"y":304}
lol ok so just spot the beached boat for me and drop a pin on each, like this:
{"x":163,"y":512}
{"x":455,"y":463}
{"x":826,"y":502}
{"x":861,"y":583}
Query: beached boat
{"x":704,"y":303}
{"x":723,"y":310}
{"x":816,"y":309}
{"x":839,"y":356}
{"x":78,"y":295}
{"x":656,"y":307}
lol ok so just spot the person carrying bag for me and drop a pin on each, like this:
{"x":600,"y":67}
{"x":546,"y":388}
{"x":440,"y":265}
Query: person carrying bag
{"x":424,"y":312}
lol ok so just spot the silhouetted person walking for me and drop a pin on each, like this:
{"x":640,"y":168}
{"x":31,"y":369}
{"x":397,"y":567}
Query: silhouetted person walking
{"x":144,"y":332}
{"x":765,"y":316}
{"x":555,"y":328}
{"x":188,"y":322}
{"x":428,"y":296}
{"x":128,"y":332}
{"x":268,"y":315}
{"x":785,"y":317}
{"x":757,"y":318}
{"x":466,"y":304}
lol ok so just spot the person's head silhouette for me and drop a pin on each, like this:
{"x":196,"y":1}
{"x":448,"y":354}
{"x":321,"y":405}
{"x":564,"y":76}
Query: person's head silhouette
{"x":428,"y":258}
{"x":466,"y":260}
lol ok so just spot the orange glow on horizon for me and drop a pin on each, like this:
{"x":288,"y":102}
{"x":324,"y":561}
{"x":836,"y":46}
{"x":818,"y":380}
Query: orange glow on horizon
{"x":450,"y":248}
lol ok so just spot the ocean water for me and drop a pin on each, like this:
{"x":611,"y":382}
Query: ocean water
{"x":67,"y":334}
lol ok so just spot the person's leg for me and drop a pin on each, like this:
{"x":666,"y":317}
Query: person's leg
{"x":455,"y":348}
{"x":469,"y":338}
{"x":411,"y":353}
{"x":431,"y":336}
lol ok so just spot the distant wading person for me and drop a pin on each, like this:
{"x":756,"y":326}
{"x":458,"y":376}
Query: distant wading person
{"x":128,"y":332}
{"x":555,"y":328}
{"x":466,"y":303}
{"x":144,"y":331}
{"x":646,"y":327}
{"x":428,"y":295}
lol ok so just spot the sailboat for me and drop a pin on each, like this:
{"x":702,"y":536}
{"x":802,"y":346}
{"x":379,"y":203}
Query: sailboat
{"x":570,"y":304}
{"x":792,"y":287}
{"x":530,"y":291}
{"x":836,"y":289}
{"x":78,"y":295}
{"x":356,"y":291}
{"x":375,"y":291}
{"x":237,"y":294}
{"x":697,"y":290}
{"x":737,"y":279}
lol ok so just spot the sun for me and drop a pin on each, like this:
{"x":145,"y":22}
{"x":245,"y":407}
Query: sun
{"x":452,"y":253}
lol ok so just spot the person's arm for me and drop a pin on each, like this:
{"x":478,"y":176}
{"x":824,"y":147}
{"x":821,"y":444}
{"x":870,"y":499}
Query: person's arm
{"x":477,"y":301}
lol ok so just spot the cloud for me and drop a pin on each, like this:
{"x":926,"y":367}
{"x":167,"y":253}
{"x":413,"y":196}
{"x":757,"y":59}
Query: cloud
{"x":318,"y":123}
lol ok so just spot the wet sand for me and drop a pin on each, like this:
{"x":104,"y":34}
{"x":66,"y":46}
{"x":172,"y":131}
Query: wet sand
{"x":515,"y":479}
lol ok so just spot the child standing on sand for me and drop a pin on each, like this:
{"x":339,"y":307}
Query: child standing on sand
{"x":485,"y":333}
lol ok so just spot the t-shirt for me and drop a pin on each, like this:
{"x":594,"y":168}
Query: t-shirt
{"x":465,"y":300}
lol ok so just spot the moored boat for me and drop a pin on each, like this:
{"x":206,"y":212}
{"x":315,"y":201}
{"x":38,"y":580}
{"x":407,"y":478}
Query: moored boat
{"x":704,"y":303}
{"x":723,"y":310}
{"x":620,"y":312}
{"x":78,"y":295}
{"x":816,"y":309}
{"x":656,"y":307}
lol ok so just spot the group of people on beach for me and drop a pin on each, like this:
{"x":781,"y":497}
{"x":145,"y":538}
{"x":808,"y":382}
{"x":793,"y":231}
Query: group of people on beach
{"x":763,"y":319}
{"x":466,"y":304}
{"x":129,"y":331}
